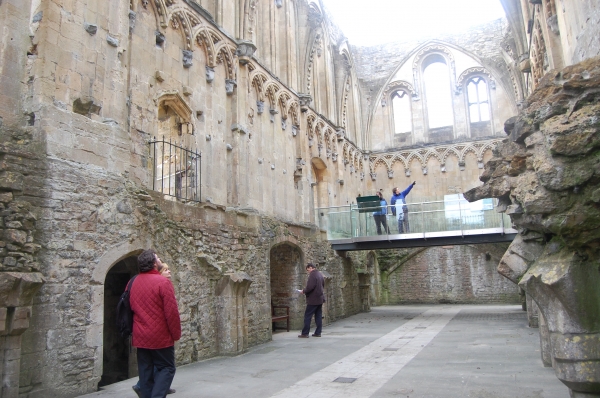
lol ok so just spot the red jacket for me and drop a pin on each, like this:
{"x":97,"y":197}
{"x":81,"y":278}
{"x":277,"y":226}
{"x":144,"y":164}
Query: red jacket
{"x":156,"y":322}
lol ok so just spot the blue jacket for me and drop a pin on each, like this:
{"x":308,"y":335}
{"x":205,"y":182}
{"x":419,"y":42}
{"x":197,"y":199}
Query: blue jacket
{"x":383,"y":210}
{"x":401,"y":197}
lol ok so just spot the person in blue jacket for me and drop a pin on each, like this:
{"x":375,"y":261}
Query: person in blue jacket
{"x":380,"y":215}
{"x":399,"y":208}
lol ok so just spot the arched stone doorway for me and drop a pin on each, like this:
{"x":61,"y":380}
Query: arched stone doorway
{"x":287,"y":275}
{"x":118,"y":361}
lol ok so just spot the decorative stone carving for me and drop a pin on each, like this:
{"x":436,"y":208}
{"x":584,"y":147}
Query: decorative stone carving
{"x":132,"y":17}
{"x":525,"y":63}
{"x":230,"y":85}
{"x":160,"y":76}
{"x":390,"y":174}
{"x":160,"y":38}
{"x":295,"y":129}
{"x":362,"y":176}
{"x":284,"y":124}
{"x":239,"y":128}
{"x":112,"y":41}
{"x":407,"y":172}
{"x":279,"y":3}
{"x":424,"y":169}
{"x":340,"y":133}
{"x":188,"y":58}
{"x":232,"y":313}
{"x":90,"y":28}
{"x":272,"y":113}
{"x":334,"y":156}
{"x":304,"y":100}
{"x":373,"y":176}
{"x":244,"y":51}
{"x":210,"y":74}
{"x":260,"y":107}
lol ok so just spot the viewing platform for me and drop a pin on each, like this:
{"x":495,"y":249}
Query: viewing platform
{"x":452,"y":221}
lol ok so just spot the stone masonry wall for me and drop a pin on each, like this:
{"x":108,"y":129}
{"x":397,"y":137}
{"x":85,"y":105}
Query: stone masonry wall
{"x":376,"y":64}
{"x":450,"y":274}
{"x":90,"y":219}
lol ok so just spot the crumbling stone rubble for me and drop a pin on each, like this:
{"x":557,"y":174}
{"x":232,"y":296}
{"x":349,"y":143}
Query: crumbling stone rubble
{"x":547,"y":177}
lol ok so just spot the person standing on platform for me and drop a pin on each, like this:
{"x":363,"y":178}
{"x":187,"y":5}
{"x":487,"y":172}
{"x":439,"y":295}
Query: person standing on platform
{"x":315,"y":297}
{"x":380,"y":215}
{"x":399,"y":208}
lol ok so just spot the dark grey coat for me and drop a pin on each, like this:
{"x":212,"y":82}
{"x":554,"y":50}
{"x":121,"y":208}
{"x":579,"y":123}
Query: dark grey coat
{"x":314,"y":289}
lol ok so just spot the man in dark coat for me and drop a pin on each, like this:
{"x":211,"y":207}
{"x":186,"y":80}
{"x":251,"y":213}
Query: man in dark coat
{"x":315,"y":297}
{"x":156,"y":326}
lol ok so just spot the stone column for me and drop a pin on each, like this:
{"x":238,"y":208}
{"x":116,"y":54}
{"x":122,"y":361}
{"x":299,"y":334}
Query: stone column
{"x":16,"y":295}
{"x":565,"y":287}
{"x":232,"y":314}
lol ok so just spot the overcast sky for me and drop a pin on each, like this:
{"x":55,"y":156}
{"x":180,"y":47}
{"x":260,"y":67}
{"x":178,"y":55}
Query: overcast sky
{"x":381,"y":21}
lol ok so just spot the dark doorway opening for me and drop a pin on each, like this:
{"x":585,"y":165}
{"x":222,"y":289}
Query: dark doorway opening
{"x":119,"y":361}
{"x":287,"y":275}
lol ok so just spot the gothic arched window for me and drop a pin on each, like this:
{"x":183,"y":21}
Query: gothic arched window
{"x":402,"y":113}
{"x":438,"y":95}
{"x":478,"y":100}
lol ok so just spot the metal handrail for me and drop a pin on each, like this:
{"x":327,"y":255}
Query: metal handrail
{"x":456,"y":215}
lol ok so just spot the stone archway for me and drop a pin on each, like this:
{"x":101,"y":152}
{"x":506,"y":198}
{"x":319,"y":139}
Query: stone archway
{"x":118,"y":360}
{"x":287,"y":275}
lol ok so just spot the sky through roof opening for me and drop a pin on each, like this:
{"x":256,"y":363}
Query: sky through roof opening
{"x":383,"y":21}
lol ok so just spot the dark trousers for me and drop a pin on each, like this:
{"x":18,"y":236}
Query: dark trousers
{"x":379,"y":221}
{"x":156,"y":369}
{"x":317,"y":311}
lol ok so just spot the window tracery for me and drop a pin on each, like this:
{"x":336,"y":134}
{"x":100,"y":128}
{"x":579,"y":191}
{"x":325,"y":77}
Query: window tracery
{"x":478,"y":100}
{"x":401,"y":112}
{"x":538,"y":54}
{"x":436,"y":87}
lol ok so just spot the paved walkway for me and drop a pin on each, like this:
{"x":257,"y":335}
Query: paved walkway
{"x":448,"y":351}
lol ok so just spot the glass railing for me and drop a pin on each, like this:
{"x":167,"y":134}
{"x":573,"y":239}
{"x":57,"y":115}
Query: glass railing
{"x":455,"y":214}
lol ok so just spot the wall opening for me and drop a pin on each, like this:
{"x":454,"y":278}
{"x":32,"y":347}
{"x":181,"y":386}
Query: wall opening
{"x":118,"y":363}
{"x":288,"y":275}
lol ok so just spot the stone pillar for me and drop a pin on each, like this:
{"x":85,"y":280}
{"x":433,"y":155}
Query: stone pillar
{"x":232,"y":314}
{"x":532,"y":312}
{"x":545,"y":348}
{"x":565,"y":287}
{"x":16,"y":295}
{"x":365,"y":291}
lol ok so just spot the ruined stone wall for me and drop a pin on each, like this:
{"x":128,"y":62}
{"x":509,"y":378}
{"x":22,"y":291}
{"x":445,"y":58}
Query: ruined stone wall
{"x":375,"y":65}
{"x":448,"y":274}
{"x":93,"y":224}
{"x":546,"y":176}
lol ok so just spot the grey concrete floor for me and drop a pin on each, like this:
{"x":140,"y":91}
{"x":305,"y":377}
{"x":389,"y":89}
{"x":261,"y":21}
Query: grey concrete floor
{"x":480,"y":351}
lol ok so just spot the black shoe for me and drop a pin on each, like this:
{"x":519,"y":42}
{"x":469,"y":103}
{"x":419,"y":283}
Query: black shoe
{"x":137,"y":390}
{"x":316,"y":335}
{"x":171,"y":391}
{"x":303,"y":336}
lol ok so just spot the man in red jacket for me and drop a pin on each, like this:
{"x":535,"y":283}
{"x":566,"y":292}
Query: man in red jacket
{"x":315,"y":297}
{"x":156,"y":326}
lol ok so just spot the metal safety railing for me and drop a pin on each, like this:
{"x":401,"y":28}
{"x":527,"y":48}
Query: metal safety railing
{"x":176,"y":170}
{"x":453,"y":216}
